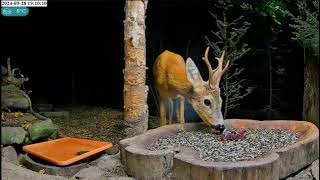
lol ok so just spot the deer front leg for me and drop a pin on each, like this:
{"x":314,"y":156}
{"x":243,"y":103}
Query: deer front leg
{"x":163,"y":119}
{"x":181,"y":112}
{"x":170,"y":109}
{"x":177,"y":109}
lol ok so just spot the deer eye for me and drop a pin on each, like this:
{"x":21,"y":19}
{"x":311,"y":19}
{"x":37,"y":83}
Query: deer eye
{"x":207,"y":102}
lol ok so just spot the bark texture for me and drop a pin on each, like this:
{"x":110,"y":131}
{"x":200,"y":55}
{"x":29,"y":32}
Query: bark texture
{"x":135,"y":89}
{"x":311,"y":91}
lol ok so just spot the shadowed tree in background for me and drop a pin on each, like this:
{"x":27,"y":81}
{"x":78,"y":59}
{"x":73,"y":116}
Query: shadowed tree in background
{"x":306,"y":33}
{"x":135,"y":89}
{"x":273,"y":12}
{"x":229,"y":38}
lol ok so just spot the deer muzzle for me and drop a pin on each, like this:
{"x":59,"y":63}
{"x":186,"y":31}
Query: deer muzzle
{"x":219,"y":127}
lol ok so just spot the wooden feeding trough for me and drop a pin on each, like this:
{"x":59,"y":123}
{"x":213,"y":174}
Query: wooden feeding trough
{"x":66,"y":151}
{"x":186,"y":163}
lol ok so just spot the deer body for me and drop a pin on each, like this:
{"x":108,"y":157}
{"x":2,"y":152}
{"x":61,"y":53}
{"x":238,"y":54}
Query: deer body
{"x":170,"y":75}
{"x":171,"y":81}
{"x":175,"y":78}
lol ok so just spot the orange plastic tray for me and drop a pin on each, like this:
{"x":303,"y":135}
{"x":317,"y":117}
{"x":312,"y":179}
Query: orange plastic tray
{"x":64,"y":151}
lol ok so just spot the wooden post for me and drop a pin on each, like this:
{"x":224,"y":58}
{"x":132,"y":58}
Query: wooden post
{"x":135,"y":89}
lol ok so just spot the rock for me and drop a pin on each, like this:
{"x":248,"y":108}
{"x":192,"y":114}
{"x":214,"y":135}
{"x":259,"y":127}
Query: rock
{"x":27,"y":140}
{"x":41,"y":129}
{"x":111,"y":165}
{"x":309,"y":173}
{"x":107,"y":177}
{"x":13,"y":172}
{"x":113,"y":150}
{"x":90,"y":173}
{"x":21,"y":158}
{"x":119,"y":178}
{"x":12,"y":135}
{"x":10,"y":154}
{"x":66,"y":171}
{"x":12,"y":97}
{"x":305,"y":175}
{"x":315,"y":169}
{"x":55,"y":134}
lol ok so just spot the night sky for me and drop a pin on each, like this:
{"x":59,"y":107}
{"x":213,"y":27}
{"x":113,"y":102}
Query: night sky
{"x":73,"y":52}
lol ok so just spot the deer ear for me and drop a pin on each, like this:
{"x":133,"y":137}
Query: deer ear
{"x":193,"y":73}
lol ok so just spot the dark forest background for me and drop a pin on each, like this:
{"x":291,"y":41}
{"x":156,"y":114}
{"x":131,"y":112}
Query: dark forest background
{"x":73,"y":53}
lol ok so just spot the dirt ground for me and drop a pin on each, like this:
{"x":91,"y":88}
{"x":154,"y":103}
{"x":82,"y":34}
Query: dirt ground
{"x":96,"y":123}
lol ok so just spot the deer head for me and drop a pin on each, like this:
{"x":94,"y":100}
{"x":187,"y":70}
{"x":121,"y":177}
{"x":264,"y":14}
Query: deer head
{"x":205,"y":96}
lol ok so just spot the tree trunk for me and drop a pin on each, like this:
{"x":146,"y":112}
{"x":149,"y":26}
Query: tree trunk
{"x":135,"y":89}
{"x":311,"y":90}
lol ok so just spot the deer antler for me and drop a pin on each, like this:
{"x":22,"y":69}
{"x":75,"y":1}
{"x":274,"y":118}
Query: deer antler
{"x":216,"y":74}
{"x":206,"y":60}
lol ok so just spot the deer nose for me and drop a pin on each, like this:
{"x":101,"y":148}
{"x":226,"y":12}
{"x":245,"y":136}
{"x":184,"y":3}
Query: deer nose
{"x":219,"y":127}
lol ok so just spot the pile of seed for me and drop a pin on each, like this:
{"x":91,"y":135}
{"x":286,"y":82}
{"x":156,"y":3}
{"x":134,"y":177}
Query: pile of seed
{"x":212,"y":147}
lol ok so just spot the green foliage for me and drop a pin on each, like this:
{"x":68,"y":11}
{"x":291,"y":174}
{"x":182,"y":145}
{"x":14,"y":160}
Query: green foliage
{"x":274,"y":9}
{"x":225,"y":5}
{"x":81,"y":152}
{"x":306,"y":26}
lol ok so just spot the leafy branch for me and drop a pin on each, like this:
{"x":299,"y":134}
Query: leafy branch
{"x":306,"y":26}
{"x":227,"y":37}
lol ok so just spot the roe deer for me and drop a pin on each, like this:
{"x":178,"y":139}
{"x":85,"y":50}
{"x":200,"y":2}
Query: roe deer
{"x":173,"y":77}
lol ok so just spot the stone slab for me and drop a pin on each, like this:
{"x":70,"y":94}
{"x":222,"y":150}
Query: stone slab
{"x":10,"y":154}
{"x":12,"y":135}
{"x":66,"y":171}
{"x":10,"y":171}
{"x":315,"y":169}
{"x":90,"y":173}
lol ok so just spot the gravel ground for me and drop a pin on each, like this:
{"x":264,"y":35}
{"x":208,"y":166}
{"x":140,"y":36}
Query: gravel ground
{"x":232,"y":145}
{"x":96,"y":123}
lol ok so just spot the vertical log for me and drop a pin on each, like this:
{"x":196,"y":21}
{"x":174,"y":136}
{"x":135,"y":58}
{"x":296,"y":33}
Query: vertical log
{"x":135,"y":89}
